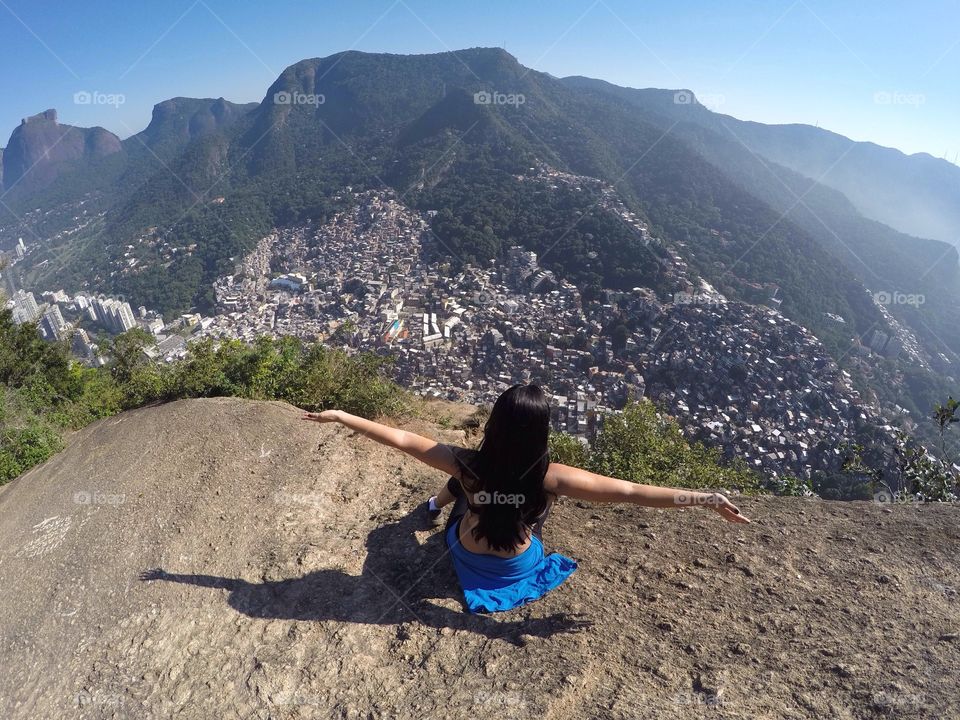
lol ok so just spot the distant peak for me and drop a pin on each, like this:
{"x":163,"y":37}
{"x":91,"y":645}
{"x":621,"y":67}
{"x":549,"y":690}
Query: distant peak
{"x":164,"y":108}
{"x":487,"y":53}
{"x":46,"y":116}
{"x":492,"y":51}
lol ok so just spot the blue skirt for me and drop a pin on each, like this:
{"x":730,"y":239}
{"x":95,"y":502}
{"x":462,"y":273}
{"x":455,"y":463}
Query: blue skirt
{"x":495,"y":584}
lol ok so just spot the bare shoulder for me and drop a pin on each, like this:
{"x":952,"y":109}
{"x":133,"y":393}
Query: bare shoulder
{"x":556,"y":473}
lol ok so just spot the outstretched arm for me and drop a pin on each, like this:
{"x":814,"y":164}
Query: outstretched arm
{"x":436,"y":455}
{"x":202,"y":580}
{"x":582,"y":485}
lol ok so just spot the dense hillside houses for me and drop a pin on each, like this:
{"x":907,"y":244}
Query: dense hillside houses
{"x":374,"y":278}
{"x":737,"y":376}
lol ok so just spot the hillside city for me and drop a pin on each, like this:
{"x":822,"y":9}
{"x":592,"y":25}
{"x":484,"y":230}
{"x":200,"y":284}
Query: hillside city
{"x":739,"y":377}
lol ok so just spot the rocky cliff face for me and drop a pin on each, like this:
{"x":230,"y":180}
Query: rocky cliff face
{"x":222,"y":558}
{"x":40,"y":146}
{"x":177,"y":121}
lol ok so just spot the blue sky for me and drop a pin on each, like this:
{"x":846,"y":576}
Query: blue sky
{"x":880,"y":71}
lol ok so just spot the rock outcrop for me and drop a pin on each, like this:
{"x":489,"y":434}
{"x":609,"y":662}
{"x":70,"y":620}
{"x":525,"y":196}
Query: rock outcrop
{"x":177,"y":121}
{"x":224,"y":559}
{"x":40,"y":147}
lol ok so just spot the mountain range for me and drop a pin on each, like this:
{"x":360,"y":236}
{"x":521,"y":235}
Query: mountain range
{"x":915,"y":194}
{"x":813,"y":223}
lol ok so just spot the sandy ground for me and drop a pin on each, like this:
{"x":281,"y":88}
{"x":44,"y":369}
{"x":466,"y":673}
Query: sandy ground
{"x":222,"y":559}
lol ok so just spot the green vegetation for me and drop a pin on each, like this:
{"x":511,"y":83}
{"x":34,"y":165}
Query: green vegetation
{"x":567,"y":450}
{"x":43,"y":394}
{"x":37,"y":387}
{"x":222,"y":233}
{"x":918,"y":475}
{"x":923,"y":476}
{"x":644,"y":446}
{"x":483,"y":208}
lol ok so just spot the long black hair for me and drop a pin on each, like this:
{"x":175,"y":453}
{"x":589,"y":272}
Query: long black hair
{"x":505,"y":474}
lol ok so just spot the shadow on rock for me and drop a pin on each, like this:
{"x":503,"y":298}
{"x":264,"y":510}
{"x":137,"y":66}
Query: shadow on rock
{"x":399,"y":578}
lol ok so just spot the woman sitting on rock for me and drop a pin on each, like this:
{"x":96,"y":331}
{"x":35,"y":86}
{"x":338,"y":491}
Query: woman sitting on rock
{"x":502,"y":493}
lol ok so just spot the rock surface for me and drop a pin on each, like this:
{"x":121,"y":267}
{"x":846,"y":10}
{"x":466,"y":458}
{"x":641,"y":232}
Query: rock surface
{"x":40,"y":146}
{"x":177,"y":121}
{"x":223,"y":559}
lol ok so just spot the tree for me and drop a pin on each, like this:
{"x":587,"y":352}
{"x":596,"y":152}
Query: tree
{"x":925,"y":477}
{"x":945,"y":415}
{"x":642,"y":445}
{"x":127,"y":353}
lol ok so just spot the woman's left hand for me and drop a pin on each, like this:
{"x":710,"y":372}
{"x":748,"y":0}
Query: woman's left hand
{"x":726,"y":509}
